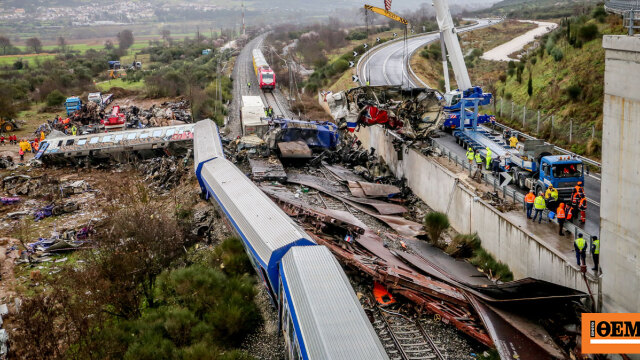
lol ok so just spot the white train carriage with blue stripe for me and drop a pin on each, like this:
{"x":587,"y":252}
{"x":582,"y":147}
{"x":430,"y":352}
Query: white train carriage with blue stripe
{"x":320,"y":315}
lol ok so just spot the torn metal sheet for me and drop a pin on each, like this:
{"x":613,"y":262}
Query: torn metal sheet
{"x":355,"y":189}
{"x":314,"y":182}
{"x":510,"y":343}
{"x":527,"y":289}
{"x":343,"y":173}
{"x":322,"y":217}
{"x":376,"y":190}
{"x":294,"y":150}
{"x":267,"y":169}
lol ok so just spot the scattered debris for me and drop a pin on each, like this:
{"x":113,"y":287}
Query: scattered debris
{"x":267,"y":169}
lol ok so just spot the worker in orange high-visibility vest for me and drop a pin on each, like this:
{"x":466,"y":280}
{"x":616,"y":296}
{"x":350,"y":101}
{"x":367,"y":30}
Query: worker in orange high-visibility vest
{"x":560,"y":214}
{"x":529,"y":200}
{"x":582,"y":206}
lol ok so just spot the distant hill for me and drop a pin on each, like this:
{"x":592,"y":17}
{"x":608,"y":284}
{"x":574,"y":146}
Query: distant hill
{"x":312,"y":5}
{"x":539,"y":9}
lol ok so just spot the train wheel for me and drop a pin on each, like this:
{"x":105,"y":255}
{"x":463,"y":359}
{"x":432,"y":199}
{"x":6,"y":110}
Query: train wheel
{"x":521,"y":181}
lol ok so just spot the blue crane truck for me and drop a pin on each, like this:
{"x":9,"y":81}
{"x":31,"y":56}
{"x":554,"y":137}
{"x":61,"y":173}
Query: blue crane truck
{"x":72,"y":105}
{"x":531,"y":164}
{"x":473,"y":96}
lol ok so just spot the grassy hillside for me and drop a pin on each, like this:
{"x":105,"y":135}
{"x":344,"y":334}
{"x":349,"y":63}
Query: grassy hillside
{"x":567,"y":81}
{"x":427,"y":63}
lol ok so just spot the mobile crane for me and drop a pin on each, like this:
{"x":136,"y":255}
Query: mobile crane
{"x":531,"y":164}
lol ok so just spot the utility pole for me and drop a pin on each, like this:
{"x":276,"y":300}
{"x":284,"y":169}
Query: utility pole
{"x":243,"y":25}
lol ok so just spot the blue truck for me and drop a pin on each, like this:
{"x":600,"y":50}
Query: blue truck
{"x":531,"y":164}
{"x":72,"y":105}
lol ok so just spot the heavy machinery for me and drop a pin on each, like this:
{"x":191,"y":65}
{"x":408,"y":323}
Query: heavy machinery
{"x":8,"y":125}
{"x":532,"y":164}
{"x":72,"y":105}
{"x":116,"y":121}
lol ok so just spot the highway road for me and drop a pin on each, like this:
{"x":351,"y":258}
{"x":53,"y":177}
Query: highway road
{"x":387,"y":65}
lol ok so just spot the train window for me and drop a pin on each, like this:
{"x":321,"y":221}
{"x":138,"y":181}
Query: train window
{"x":106,"y":139}
{"x":144,"y":136}
{"x":118,"y":137}
{"x":59,"y":143}
{"x":69,"y":142}
{"x":170,"y":132}
{"x":94,"y":140}
{"x":157,"y":133}
{"x":82,"y":141}
{"x":131,"y":136}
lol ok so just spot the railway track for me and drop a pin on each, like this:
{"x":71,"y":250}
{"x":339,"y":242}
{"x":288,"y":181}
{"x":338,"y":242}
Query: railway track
{"x":272,"y":100}
{"x":404,"y":338}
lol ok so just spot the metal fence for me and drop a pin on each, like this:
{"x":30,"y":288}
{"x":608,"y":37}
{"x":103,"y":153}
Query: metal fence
{"x":509,"y":193}
{"x":542,"y":125}
{"x":629,"y":9}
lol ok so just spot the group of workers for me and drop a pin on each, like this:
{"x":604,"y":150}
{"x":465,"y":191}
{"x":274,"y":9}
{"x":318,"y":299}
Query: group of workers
{"x":12,"y":139}
{"x":24,"y":145}
{"x":563,"y":212}
{"x":488,"y":163}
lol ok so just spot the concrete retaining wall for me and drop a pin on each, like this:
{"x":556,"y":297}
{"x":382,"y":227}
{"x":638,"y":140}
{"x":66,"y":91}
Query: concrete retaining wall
{"x":525,"y":255}
{"x":619,"y":225}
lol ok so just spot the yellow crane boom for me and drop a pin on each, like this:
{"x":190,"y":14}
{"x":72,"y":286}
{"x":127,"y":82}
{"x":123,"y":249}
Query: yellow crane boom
{"x":387,"y":13}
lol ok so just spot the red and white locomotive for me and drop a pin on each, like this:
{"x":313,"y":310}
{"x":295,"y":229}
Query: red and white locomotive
{"x":266,"y":77}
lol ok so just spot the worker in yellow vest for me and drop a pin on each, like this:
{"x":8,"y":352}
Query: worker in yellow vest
{"x":488,"y":158}
{"x":580,"y":245}
{"x":470,"y":156}
{"x":595,"y":252}
{"x":513,"y":141}
{"x":539,"y":205}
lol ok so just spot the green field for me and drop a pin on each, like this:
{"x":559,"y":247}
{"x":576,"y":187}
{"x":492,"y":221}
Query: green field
{"x":31,"y":59}
{"x":107,"y":85}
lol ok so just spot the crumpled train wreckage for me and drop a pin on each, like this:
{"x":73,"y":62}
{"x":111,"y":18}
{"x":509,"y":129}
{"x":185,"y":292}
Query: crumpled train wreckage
{"x":413,"y":113}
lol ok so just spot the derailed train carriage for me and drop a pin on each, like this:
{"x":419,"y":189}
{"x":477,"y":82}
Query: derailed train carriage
{"x":320,"y":315}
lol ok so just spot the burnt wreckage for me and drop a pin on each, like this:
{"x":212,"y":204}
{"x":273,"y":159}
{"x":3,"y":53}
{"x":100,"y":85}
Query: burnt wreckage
{"x":414,"y":113}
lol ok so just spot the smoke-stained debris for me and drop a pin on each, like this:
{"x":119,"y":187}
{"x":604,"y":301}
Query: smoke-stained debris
{"x":413,"y":113}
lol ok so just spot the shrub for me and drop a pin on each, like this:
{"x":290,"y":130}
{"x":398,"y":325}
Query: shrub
{"x":436,"y":222}
{"x":55,"y":98}
{"x":508,"y":96}
{"x":340,"y":65}
{"x":574,"y":91}
{"x":557,"y":54}
{"x":357,"y":35}
{"x":496,"y":269}
{"x":533,"y":60}
{"x":503,"y":77}
{"x":463,"y":245}
{"x":588,"y":32}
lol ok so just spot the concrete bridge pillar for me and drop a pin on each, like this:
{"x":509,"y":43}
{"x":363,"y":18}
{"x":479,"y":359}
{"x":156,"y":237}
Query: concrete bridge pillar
{"x":620,"y":203}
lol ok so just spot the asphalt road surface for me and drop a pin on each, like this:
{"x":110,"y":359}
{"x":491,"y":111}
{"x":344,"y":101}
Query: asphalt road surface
{"x":386,"y":65}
